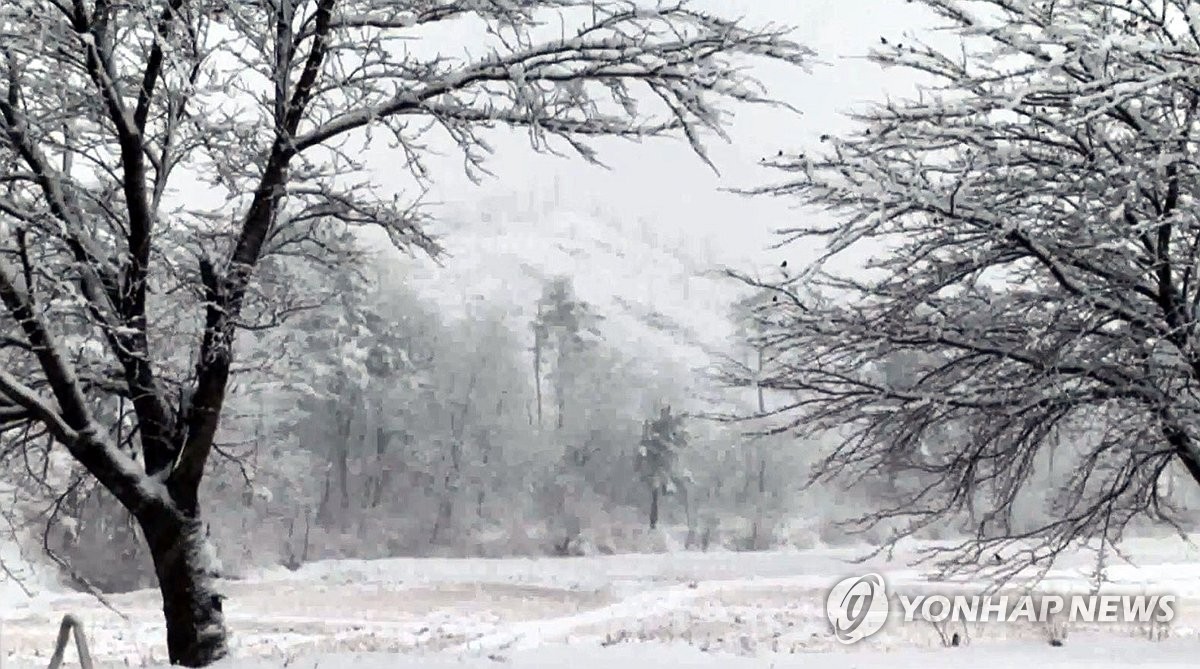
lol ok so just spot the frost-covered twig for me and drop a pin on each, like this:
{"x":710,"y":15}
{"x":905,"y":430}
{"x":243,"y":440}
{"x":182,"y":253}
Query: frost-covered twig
{"x":1020,"y":365}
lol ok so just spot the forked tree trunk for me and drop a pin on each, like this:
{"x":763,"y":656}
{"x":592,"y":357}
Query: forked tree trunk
{"x":196,"y":632}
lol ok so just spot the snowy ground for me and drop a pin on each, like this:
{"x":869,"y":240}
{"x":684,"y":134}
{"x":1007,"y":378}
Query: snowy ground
{"x":698,"y":610}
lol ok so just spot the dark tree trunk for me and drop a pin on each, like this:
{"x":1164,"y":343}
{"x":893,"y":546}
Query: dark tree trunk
{"x":538,"y":342}
{"x":332,"y":513}
{"x":537,"y":381}
{"x":383,"y":480}
{"x":654,"y":508}
{"x":1185,"y":449}
{"x":560,"y":388}
{"x":343,"y":466}
{"x":196,"y":632}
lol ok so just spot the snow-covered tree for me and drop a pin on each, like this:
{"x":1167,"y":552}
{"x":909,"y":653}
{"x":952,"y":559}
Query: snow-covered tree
{"x":152,"y":154}
{"x":663,"y":438}
{"x":1032,"y":221}
{"x":564,"y":325}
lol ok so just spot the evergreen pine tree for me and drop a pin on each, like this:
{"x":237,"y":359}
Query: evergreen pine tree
{"x":658,"y":457}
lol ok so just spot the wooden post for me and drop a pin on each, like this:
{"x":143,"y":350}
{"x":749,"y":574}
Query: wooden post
{"x":71,"y":624}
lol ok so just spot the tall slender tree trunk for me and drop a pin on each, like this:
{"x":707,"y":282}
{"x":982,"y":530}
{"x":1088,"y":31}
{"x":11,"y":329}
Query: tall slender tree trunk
{"x":196,"y":632}
{"x":343,"y":467}
{"x":383,"y":478}
{"x":538,"y":343}
{"x":332,"y":513}
{"x":560,"y":388}
{"x":654,"y":508}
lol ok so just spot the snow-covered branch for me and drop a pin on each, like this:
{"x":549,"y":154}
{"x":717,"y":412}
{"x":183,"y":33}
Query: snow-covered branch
{"x":165,"y":167}
{"x":1037,"y":298}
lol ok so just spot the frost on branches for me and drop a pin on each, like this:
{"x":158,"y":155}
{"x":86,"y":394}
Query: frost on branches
{"x":1033,"y":225}
{"x":157,"y":157}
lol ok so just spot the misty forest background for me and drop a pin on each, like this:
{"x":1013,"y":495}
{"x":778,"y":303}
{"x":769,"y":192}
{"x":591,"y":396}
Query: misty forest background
{"x":550,"y":386}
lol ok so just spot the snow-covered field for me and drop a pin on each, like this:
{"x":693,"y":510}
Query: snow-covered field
{"x":684,"y":609}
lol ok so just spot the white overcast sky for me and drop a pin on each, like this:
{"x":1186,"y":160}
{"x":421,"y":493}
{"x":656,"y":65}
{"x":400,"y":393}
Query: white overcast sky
{"x":662,"y":182}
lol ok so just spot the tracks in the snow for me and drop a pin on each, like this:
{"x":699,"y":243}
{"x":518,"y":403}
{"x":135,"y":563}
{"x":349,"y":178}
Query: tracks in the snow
{"x":287,"y":617}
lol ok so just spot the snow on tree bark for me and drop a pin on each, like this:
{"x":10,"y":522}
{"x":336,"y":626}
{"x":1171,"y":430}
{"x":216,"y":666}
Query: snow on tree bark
{"x":184,"y":565}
